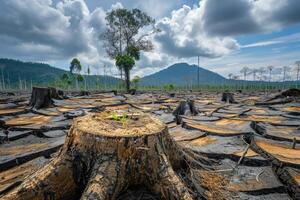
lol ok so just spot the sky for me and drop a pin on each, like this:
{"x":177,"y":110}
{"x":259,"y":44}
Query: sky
{"x":227,"y":34}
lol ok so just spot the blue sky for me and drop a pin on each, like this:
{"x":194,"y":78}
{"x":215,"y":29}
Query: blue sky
{"x":228,"y":35}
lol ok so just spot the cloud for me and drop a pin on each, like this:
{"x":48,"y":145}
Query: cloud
{"x":209,"y":29}
{"x":238,"y":17}
{"x":45,"y":30}
{"x":279,"y":40}
{"x":231,"y":17}
{"x":183,"y":35}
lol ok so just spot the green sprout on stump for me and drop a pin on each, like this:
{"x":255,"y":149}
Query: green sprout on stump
{"x":119,"y":118}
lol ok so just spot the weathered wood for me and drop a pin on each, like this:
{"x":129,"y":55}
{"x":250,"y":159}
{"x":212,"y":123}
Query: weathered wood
{"x":40,"y":98}
{"x":184,"y":107}
{"x":103,"y":155}
{"x":83,"y":93}
{"x":228,"y":97}
{"x":293,"y":92}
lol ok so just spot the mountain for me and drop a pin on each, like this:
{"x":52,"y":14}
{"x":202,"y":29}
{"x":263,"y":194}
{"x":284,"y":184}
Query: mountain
{"x":183,"y":74}
{"x":12,"y":71}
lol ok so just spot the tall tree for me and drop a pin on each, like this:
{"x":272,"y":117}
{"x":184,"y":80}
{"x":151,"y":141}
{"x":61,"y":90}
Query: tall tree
{"x":75,"y":66}
{"x":88,"y":70}
{"x":270,"y":69}
{"x":2,"y":67}
{"x":261,"y":72}
{"x":124,"y":38}
{"x":136,"y":80}
{"x":245,"y":71}
{"x":297,"y":69}
{"x":285,"y":70}
{"x":254,"y":72}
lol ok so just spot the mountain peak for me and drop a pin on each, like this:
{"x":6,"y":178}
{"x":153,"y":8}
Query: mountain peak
{"x":182,"y":74}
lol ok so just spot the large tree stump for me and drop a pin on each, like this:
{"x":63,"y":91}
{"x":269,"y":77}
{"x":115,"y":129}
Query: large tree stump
{"x":104,"y":154}
{"x":184,"y":108}
{"x":40,"y":98}
{"x":228,"y":97}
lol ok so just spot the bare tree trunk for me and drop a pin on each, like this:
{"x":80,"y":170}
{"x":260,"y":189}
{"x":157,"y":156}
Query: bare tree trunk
{"x":20,"y":83}
{"x":127,"y":79}
{"x":77,"y":87}
{"x":8,"y":80}
{"x":3,"y":80}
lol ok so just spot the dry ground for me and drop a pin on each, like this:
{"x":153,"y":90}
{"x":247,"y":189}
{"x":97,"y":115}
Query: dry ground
{"x":256,"y":149}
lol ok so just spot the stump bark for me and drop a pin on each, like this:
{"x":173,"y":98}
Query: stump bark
{"x":56,"y":94}
{"x":184,"y":108}
{"x":83,"y":93}
{"x":104,"y":154}
{"x":228,"y":97}
{"x":40,"y":98}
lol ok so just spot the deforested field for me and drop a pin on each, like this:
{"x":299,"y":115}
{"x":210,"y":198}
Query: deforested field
{"x":244,"y":147}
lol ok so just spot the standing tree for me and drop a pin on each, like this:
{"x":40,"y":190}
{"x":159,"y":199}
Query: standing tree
{"x":2,"y":67}
{"x":75,"y":66}
{"x":136,"y":80}
{"x":65,"y":80}
{"x":80,"y":78}
{"x":270,"y":68}
{"x":123,"y":39}
{"x":285,"y":70}
{"x":261,"y":72}
{"x":245,"y":71}
{"x":254,"y":72}
{"x":86,"y":85}
{"x":297,"y":69}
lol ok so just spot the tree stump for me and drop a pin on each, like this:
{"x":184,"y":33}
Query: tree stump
{"x":56,"y":94}
{"x":40,"y":98}
{"x":132,"y":92}
{"x":184,"y":108}
{"x":228,"y":97}
{"x":83,"y":93}
{"x":104,"y":154}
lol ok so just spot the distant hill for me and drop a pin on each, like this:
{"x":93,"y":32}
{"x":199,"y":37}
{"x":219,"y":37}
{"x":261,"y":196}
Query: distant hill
{"x":39,"y":73}
{"x":183,"y":74}
{"x":179,"y":74}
